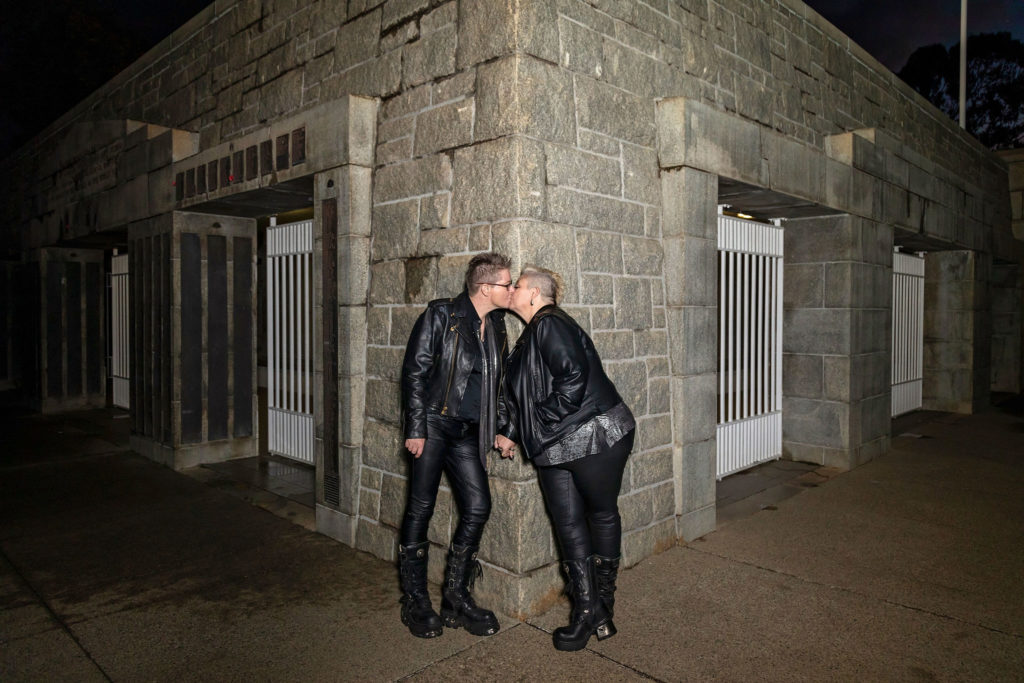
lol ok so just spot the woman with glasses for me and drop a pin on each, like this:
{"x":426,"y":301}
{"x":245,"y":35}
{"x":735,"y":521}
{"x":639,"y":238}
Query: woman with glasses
{"x":451,"y":377}
{"x":571,"y":422}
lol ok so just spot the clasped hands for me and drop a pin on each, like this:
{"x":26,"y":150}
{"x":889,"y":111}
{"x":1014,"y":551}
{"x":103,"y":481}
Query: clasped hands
{"x":505,"y":445}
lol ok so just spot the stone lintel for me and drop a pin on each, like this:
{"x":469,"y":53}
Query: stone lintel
{"x":334,"y":134}
{"x":697,"y":135}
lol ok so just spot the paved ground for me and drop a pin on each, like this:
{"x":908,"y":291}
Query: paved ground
{"x":909,"y":568}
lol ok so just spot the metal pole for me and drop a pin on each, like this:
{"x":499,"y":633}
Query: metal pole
{"x":963,"y":63}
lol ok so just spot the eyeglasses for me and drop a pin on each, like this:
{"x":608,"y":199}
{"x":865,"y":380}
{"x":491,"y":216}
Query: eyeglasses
{"x":506,"y":285}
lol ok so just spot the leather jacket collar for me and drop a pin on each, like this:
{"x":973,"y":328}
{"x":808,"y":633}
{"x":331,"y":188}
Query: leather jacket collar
{"x":468,"y":322}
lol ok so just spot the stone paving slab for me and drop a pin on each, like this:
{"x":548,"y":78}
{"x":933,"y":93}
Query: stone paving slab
{"x":49,"y":656}
{"x":524,"y":653}
{"x":689,"y":615}
{"x":929,"y":526}
{"x":908,"y":568}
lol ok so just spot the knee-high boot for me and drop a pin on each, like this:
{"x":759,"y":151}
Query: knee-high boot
{"x":606,"y":571}
{"x":457,"y":605}
{"x":417,"y":613}
{"x":589,"y":615}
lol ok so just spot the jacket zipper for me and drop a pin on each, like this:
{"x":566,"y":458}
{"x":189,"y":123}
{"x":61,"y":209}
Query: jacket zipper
{"x":451,"y":371}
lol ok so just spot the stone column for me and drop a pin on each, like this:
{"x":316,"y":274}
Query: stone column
{"x":836,"y":340}
{"x":957,"y":331}
{"x":193,"y":352}
{"x":71,"y":369}
{"x":341,"y":257}
{"x":10,"y":322}
{"x":1007,"y":293}
{"x":690,"y":227}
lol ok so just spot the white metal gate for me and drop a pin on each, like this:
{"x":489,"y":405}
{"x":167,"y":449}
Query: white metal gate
{"x":907,"y":331}
{"x":289,"y":340}
{"x":119,"y":341}
{"x":749,"y":343}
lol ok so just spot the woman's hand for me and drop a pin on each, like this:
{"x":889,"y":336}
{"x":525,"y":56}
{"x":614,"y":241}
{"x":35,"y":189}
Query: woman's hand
{"x":505,"y":445}
{"x":415,"y":446}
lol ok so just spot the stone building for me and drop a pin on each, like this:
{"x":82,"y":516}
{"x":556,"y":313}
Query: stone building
{"x":595,"y":137}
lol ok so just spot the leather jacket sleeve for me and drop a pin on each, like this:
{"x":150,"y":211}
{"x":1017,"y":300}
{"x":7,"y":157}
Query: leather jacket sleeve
{"x":420,"y":356}
{"x":566,"y":360}
{"x":501,"y":333}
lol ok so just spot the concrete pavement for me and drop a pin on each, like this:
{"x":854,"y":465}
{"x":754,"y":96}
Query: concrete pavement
{"x":908,"y":568}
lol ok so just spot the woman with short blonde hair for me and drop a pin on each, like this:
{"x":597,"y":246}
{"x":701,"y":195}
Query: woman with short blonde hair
{"x":571,"y":422}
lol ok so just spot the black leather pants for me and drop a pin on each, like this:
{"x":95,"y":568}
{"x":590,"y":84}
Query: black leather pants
{"x":451,"y":446}
{"x":582,"y":497}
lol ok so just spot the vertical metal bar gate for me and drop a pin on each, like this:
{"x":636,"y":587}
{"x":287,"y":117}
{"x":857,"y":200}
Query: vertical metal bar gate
{"x":907,"y":332}
{"x":120,"y":360}
{"x":290,"y":340}
{"x":749,"y":428}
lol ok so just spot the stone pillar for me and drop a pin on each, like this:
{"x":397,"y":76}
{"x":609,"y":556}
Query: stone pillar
{"x":516,"y":153}
{"x":418,"y":255}
{"x":1014,"y":159}
{"x":957,"y":331}
{"x":9,"y":323}
{"x":1007,"y":294}
{"x":193,"y":352}
{"x":21,"y":335}
{"x":836,"y":340}
{"x":690,"y":227}
{"x":341,"y":257}
{"x":71,"y":369}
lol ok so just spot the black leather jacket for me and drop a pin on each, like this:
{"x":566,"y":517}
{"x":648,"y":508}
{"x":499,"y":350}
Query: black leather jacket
{"x":436,"y":369}
{"x":554,"y":383}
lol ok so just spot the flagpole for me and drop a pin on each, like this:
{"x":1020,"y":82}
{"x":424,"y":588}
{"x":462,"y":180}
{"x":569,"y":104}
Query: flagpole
{"x":963,"y":63}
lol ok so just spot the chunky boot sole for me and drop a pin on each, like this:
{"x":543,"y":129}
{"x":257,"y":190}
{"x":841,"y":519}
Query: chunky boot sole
{"x":605,"y":630}
{"x":455,"y":620}
{"x":422,"y":630}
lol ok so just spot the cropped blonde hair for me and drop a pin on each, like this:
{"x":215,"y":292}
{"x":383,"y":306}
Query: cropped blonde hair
{"x":547,"y":281}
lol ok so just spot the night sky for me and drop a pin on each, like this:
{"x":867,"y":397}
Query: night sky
{"x":54,"y":53}
{"x":892,"y":29}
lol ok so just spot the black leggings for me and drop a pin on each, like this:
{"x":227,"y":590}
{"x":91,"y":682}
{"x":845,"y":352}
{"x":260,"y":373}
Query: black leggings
{"x":451,"y":445}
{"x":585,"y":493}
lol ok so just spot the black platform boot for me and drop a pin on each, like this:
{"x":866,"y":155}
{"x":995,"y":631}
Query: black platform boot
{"x":589,"y":616}
{"x":457,"y":606}
{"x":417,"y":613}
{"x":606,"y":571}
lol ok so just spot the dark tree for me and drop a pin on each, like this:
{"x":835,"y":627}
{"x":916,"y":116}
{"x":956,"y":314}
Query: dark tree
{"x":995,"y":85}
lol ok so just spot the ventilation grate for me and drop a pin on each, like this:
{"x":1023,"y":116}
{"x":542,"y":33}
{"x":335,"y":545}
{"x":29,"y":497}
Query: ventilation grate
{"x":332,"y":489}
